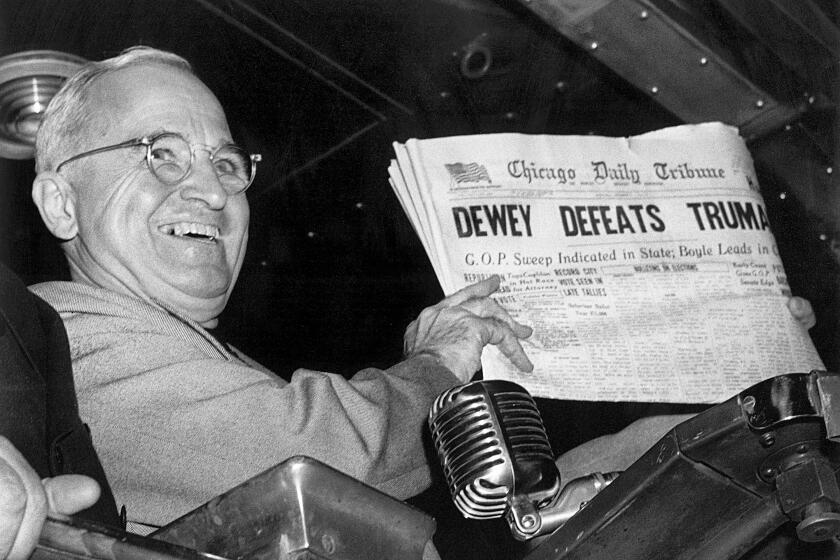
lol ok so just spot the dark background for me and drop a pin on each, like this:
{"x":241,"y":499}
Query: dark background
{"x":321,"y":88}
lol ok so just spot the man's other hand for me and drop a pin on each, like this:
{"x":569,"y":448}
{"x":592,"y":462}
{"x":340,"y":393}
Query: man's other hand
{"x":25,"y":500}
{"x":456,"y":329}
{"x":802,"y":311}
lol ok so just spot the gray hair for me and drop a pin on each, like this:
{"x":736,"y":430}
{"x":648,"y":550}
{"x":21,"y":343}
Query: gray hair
{"x":69,"y":113}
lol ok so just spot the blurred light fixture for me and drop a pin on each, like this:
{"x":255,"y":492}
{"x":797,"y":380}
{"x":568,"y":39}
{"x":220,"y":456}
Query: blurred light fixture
{"x":28,"y":80}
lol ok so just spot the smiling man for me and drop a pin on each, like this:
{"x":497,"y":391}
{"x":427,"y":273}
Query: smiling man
{"x":139,"y":178}
{"x":174,"y":229}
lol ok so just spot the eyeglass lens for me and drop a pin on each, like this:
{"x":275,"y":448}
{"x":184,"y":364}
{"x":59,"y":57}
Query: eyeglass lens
{"x":170,"y":160}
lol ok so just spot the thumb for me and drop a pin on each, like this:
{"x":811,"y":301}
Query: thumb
{"x":796,"y":305}
{"x":70,"y":493}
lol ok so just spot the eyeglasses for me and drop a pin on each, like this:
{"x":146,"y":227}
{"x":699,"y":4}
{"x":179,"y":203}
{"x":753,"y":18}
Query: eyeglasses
{"x":170,"y":157}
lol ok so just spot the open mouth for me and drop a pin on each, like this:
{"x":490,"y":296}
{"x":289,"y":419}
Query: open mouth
{"x":192,"y":230}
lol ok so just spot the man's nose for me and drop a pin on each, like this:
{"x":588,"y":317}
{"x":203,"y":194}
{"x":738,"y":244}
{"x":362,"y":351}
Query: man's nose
{"x":203,"y":183}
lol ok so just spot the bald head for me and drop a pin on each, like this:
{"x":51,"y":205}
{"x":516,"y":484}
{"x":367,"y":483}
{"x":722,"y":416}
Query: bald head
{"x":70,"y":118}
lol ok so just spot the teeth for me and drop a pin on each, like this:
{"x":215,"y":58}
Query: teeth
{"x":181,"y":229}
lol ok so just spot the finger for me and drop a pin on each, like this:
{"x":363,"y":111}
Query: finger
{"x":501,"y":335}
{"x":24,"y":504}
{"x":12,"y":507}
{"x":410,"y":337}
{"x":488,"y":307}
{"x":479,"y":289}
{"x":802,"y":310}
{"x":798,"y":306}
{"x":70,"y":493}
{"x":419,"y":329}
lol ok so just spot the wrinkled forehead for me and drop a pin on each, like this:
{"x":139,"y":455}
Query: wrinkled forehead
{"x":142,"y":100}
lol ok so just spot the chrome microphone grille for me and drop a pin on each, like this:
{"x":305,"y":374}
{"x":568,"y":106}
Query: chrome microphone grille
{"x":523,"y":427}
{"x":496,"y":457}
{"x":476,"y":447}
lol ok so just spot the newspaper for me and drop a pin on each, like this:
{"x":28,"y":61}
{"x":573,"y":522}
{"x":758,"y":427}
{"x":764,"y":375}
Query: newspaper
{"x":646,"y":265}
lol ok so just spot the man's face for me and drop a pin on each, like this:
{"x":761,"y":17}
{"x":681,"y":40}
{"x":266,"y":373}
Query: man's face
{"x":182,"y":245}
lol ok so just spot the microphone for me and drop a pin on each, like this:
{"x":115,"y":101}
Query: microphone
{"x":497,"y":461}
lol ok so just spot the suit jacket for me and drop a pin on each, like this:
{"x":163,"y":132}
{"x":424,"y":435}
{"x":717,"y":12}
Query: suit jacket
{"x":179,"y":418}
{"x":38,"y":409}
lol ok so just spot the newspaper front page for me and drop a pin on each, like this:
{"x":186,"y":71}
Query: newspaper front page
{"x":646,"y":265}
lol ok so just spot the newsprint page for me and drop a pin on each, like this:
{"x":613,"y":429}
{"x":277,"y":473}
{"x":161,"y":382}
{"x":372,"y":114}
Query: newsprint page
{"x":646,"y":265}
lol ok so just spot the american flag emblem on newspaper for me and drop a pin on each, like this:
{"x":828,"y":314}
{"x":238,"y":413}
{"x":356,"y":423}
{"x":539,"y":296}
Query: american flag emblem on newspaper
{"x":467,"y":172}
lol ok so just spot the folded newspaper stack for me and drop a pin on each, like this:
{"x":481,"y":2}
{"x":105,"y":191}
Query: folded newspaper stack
{"x":646,"y":265}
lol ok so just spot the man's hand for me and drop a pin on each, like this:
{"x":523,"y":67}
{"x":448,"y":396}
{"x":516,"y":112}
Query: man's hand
{"x":802,"y":311}
{"x":456,"y":329}
{"x":25,"y":500}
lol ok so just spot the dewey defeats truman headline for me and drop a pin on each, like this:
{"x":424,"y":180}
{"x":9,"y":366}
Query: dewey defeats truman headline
{"x":515,"y":219}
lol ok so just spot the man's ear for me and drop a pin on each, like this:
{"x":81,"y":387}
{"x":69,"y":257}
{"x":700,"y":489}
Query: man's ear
{"x":56,"y":201}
